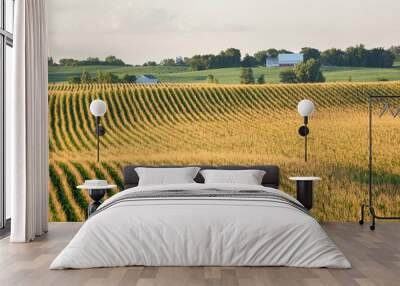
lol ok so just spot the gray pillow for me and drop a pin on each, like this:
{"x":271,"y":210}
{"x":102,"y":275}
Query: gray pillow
{"x":246,"y":177}
{"x":166,"y":176}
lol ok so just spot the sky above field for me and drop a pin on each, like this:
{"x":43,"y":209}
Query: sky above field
{"x":141,"y":30}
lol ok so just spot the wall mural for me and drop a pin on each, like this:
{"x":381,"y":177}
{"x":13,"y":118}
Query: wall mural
{"x":225,"y":108}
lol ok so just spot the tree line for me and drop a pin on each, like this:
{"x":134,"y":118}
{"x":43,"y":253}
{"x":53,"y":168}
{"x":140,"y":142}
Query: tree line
{"x":90,"y":61}
{"x":357,"y":56}
{"x":101,"y":77}
{"x":230,"y":58}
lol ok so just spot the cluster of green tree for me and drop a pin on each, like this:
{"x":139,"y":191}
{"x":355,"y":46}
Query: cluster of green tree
{"x":225,"y":59}
{"x":305,"y":72}
{"x":230,"y":58}
{"x":167,"y":62}
{"x":357,"y":56}
{"x":91,"y":61}
{"x":102,"y":77}
{"x":150,"y":64}
{"x":172,"y":62}
{"x":247,"y":77}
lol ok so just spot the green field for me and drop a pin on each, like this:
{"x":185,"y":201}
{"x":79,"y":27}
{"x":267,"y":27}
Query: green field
{"x":227,"y":75}
{"x":63,"y":73}
{"x":232,"y":75}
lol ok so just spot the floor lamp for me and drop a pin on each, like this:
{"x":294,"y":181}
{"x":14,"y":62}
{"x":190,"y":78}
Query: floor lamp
{"x":305,"y":108}
{"x":98,"y":108}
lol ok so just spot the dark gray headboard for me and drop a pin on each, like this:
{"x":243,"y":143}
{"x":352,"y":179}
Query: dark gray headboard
{"x":271,"y":178}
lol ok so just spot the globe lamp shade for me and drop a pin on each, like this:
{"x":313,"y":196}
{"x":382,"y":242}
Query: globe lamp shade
{"x":305,"y":107}
{"x":98,"y":107}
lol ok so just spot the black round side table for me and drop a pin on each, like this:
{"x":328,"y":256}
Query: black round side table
{"x":96,"y":193}
{"x":304,"y":190}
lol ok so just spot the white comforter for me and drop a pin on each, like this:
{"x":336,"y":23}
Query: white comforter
{"x":200,"y":231}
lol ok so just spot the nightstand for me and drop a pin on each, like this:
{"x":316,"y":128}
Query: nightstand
{"x":304,"y":190}
{"x":96,"y":193}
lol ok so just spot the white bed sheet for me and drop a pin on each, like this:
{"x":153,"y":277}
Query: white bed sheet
{"x":200,"y":232}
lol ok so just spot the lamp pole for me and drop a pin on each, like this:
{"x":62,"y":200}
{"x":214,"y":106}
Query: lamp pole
{"x":305,"y":137}
{"x":100,"y":131}
{"x":98,"y":138}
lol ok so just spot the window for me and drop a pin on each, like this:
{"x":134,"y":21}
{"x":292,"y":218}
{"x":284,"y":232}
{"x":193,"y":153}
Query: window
{"x":9,"y":17}
{"x":6,"y":43}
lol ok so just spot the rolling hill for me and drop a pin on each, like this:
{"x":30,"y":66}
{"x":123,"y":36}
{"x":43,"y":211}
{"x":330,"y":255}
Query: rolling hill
{"x":225,"y":124}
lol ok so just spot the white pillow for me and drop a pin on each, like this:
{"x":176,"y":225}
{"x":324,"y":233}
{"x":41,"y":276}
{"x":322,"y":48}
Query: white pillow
{"x":166,"y":176}
{"x":247,"y":177}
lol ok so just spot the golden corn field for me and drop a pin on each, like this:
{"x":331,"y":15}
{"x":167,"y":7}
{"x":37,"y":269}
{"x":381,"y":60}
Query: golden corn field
{"x":227,"y":124}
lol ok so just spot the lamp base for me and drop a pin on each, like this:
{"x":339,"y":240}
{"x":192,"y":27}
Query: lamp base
{"x":304,"y":131}
{"x":100,"y":131}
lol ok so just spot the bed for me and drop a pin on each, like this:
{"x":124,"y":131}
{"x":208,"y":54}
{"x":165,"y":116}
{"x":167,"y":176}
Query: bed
{"x":197,"y":224}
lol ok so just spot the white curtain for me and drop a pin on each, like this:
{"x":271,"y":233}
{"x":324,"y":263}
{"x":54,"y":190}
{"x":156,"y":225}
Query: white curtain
{"x":26,"y":124}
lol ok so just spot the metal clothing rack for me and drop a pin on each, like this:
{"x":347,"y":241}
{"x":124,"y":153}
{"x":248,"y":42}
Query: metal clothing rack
{"x":370,"y":205}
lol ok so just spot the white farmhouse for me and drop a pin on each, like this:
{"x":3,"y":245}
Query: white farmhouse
{"x":285,"y":60}
{"x":147,"y":79}
{"x":290,"y":59}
